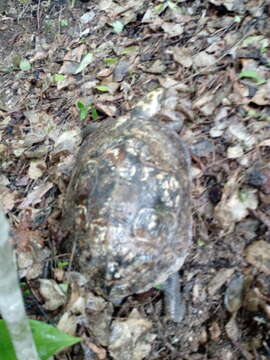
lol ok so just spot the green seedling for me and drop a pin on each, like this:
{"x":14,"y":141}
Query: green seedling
{"x":253,"y":75}
{"x":58,"y":77}
{"x":110,"y":61}
{"x":84,"y":111}
{"x":102,"y":88}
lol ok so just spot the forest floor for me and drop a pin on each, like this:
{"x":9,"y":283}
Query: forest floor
{"x":66,"y":64}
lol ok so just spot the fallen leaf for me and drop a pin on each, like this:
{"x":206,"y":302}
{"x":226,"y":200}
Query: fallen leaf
{"x":202,"y":59}
{"x":36,"y":195}
{"x":172,"y":29}
{"x":258,"y":255}
{"x":36,"y":169}
{"x":52,"y":294}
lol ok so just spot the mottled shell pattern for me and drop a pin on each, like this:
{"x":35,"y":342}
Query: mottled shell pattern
{"x":128,"y":203}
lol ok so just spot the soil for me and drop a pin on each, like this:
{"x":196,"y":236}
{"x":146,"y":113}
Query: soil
{"x":67,"y":64}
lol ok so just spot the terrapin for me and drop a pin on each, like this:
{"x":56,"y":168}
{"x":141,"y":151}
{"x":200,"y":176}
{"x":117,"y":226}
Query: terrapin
{"x":128,"y":205}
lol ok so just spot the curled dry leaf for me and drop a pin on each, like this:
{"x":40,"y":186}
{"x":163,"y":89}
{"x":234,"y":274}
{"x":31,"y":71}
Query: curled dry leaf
{"x":36,"y":169}
{"x":230,"y":5}
{"x":172,"y":29}
{"x":234,"y":294}
{"x":67,"y":142}
{"x":35,"y":196}
{"x":68,"y":323}
{"x":183,"y":56}
{"x":262,"y":96}
{"x":235,"y":203}
{"x":99,"y":314}
{"x":31,"y":263}
{"x":239,"y":131}
{"x":52,"y":294}
{"x":234,"y":152}
{"x":203,"y":59}
{"x":219,"y":280}
{"x":150,"y":16}
{"x":108,"y":109}
{"x":215,"y":331}
{"x":7,"y":198}
{"x":232,"y":329}
{"x":258,"y":255}
{"x":130,"y":339}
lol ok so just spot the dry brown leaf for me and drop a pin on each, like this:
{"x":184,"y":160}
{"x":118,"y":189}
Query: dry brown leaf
{"x":36,"y":169}
{"x":172,"y":29}
{"x":258,"y":255}
{"x":35,"y":196}
{"x":130,"y":338}
{"x":52,"y":294}
{"x":221,"y":277}
{"x":203,"y":59}
{"x":183,"y":56}
{"x":7,"y":198}
{"x":232,"y":329}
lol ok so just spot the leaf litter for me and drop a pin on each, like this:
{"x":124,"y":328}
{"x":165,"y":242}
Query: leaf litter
{"x":107,"y":55}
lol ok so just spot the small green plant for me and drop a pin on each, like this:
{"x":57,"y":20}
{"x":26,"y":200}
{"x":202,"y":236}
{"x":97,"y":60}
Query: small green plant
{"x":159,"y":287}
{"x":253,"y":75}
{"x":58,"y":77}
{"x":102,"y":88}
{"x":48,"y":339}
{"x":110,"y":61}
{"x":62,"y":264}
{"x":64,"y":22}
{"x":85,"y":109}
{"x":25,"y":289}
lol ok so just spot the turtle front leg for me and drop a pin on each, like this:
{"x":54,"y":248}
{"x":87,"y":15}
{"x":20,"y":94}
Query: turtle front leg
{"x":174,"y":304}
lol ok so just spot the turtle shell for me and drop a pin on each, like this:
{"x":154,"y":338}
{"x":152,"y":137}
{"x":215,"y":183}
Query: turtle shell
{"x":128,"y":206}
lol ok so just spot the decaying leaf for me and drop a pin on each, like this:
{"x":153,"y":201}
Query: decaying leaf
{"x":131,"y":339}
{"x":258,"y":255}
{"x":52,"y":294}
{"x":235,"y":203}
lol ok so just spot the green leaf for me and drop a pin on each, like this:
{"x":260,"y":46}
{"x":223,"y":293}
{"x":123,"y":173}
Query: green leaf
{"x":117,"y":27}
{"x":130,"y":49}
{"x":6,"y":348}
{"x":252,"y":39}
{"x":252,"y":74}
{"x":110,"y":61}
{"x":64,"y":287}
{"x":237,"y":18}
{"x":83,"y":110}
{"x":94,"y":113}
{"x":102,"y":88}
{"x":64,"y":22}
{"x":201,"y":243}
{"x":48,"y":340}
{"x":87,"y":59}
{"x":62,"y":264}
{"x":58,"y":77}
{"x":172,"y":5}
{"x":25,"y":65}
{"x":159,"y":8}
{"x":159,"y":287}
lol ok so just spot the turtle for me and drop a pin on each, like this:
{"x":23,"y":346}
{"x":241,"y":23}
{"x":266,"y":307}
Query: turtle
{"x":128,"y":205}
